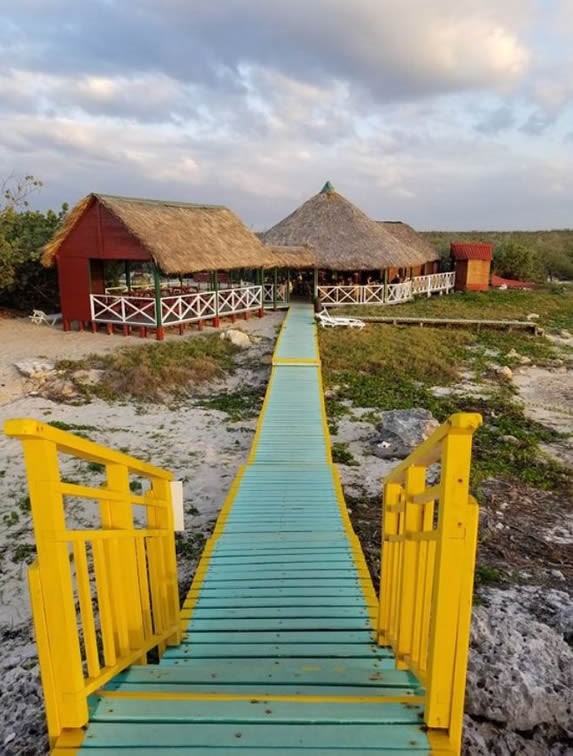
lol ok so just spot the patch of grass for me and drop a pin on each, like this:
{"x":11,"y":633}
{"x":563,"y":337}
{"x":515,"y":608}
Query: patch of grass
{"x":95,"y":467}
{"x":342,"y":455}
{"x":553,"y":304}
{"x":135,"y":486}
{"x":240,"y":405}
{"x":152,"y":371}
{"x":71,"y":426}
{"x":10,"y":519}
{"x":24,"y":504}
{"x":486,"y":575}
{"x":24,"y":552}
{"x":189,"y":545}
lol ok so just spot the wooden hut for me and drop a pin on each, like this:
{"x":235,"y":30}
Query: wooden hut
{"x":355,"y":257}
{"x":473,"y":265}
{"x":166,"y":240}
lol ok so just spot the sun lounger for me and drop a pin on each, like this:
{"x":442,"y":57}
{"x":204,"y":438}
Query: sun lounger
{"x":326,"y":320}
{"x":39,"y":316}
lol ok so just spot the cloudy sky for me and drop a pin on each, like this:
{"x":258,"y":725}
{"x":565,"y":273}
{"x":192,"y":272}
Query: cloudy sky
{"x":448,"y":114}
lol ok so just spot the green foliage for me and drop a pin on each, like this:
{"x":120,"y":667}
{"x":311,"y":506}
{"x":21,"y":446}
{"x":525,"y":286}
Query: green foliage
{"x":342,"y":455}
{"x":24,"y":282}
{"x":240,"y":405}
{"x":513,"y":259}
{"x":486,"y":575}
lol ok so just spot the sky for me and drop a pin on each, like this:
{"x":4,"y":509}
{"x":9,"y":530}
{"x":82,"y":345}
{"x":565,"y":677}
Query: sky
{"x":447,"y":114}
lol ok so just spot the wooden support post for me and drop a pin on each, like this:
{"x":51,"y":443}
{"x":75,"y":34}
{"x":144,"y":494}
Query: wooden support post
{"x":261,"y":284}
{"x":93,"y":326}
{"x":160,"y":332}
{"x":315,"y":284}
{"x":109,"y":329}
{"x":215,"y":283}
{"x":66,"y":325}
{"x":127,"y":276}
{"x":385,"y":285}
{"x":275,"y":286}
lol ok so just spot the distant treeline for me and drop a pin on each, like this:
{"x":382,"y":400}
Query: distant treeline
{"x":525,"y":255}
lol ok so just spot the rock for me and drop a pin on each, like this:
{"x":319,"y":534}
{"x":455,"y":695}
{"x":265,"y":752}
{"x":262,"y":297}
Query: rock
{"x":533,"y":316}
{"x":510,"y":440}
{"x":33,"y":368}
{"x":88,"y":377}
{"x":520,"y":672}
{"x":565,"y":334}
{"x":504,"y":372}
{"x":400,"y":431}
{"x":236,"y":337}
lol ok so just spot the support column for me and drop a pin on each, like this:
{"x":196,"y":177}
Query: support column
{"x":275,"y":286}
{"x":385,"y":284}
{"x":215,"y":284}
{"x":159,"y":333}
{"x":127,"y":276}
{"x":288,"y":286}
{"x":261,"y":277}
{"x":315,"y":284}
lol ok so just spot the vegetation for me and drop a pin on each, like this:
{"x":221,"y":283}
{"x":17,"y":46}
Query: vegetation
{"x":544,"y":254}
{"x":239,"y":405}
{"x":342,"y":455}
{"x":554,"y":305}
{"x":388,"y":367}
{"x":153,"y":371}
{"x":24,"y":282}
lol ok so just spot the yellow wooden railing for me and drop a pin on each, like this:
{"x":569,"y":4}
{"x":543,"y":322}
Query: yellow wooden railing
{"x":427,"y":571}
{"x":103,"y":596}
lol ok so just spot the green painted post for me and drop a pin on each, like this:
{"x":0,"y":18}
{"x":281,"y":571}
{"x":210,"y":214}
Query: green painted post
{"x":288,"y":286}
{"x":385,"y":284}
{"x":127,"y":276}
{"x":275,"y":285}
{"x":215,"y":284}
{"x":159,"y":332}
{"x":315,"y":284}
{"x":261,"y":284}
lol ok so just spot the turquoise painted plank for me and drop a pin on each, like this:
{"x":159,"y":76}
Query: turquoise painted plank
{"x":107,"y":709}
{"x":315,"y":582}
{"x":260,"y":691}
{"x":285,"y":650}
{"x":270,"y":751}
{"x":345,"y":592}
{"x":336,"y":672}
{"x":281,"y":612}
{"x":275,"y":601}
{"x":234,"y":637}
{"x":342,"y":623}
{"x":254,"y":735}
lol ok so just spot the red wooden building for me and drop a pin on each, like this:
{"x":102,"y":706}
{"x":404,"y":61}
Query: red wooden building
{"x":130,"y":262}
{"x":473,"y":265}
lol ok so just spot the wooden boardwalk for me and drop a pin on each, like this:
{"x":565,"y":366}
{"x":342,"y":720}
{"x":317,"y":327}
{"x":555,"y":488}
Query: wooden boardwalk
{"x":278,"y":653}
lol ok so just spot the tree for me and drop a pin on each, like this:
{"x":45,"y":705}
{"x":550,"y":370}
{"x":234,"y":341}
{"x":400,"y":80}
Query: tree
{"x":513,"y":259}
{"x":24,"y":282}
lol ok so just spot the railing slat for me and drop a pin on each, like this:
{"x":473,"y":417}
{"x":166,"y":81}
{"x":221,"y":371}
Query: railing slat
{"x":86,"y":609}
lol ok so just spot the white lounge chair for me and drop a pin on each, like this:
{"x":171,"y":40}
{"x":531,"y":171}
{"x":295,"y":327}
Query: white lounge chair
{"x":326,"y":320}
{"x":39,"y":316}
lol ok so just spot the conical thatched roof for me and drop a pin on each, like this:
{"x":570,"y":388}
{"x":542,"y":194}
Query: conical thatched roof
{"x":180,"y":237}
{"x":342,"y":236}
{"x":425,"y":251}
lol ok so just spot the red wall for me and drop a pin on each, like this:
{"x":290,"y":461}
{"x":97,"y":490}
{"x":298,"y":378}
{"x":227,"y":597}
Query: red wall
{"x":98,"y":235}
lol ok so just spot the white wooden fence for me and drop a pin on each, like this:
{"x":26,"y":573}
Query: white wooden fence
{"x":389,"y":294}
{"x":176,"y":309}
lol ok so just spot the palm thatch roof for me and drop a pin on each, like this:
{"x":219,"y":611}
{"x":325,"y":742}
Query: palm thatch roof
{"x":425,"y":251}
{"x":342,"y":236}
{"x":292,"y":257}
{"x":179,"y":237}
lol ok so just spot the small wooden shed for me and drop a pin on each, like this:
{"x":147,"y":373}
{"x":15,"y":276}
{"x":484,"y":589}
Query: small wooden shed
{"x":473,"y":265}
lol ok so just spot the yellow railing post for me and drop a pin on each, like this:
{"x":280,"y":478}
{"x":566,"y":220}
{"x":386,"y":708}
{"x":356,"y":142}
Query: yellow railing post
{"x":427,"y":570}
{"x":450,"y":556}
{"x":415,"y":483}
{"x":55,"y":580}
{"x":130,"y":567}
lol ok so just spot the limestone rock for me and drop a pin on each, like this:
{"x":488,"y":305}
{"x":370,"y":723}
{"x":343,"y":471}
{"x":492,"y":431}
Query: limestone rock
{"x":533,"y":316}
{"x":520,"y":672}
{"x":236,"y":337}
{"x":33,"y":368}
{"x":505,"y":372}
{"x":401,"y":431}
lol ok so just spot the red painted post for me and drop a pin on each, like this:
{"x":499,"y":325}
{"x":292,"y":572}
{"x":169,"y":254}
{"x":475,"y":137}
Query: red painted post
{"x":66,"y":325}
{"x":160,"y":333}
{"x":80,"y":325}
{"x":93,"y":326}
{"x":200,"y":325}
{"x":109,"y":329}
{"x":124,"y":330}
{"x":181,"y":329}
{"x":246,"y":315}
{"x":216,"y":322}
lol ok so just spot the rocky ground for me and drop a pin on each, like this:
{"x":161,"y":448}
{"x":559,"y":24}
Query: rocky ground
{"x":519,"y":697}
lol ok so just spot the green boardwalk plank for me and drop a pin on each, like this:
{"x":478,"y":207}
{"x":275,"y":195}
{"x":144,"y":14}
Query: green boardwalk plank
{"x":280,"y":612}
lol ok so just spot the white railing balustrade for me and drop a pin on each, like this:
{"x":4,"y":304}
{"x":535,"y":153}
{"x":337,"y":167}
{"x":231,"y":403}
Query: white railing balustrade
{"x":282,"y":295}
{"x":386,"y":294}
{"x":188,"y":308}
{"x":233,"y":301}
{"x":113,"y":308}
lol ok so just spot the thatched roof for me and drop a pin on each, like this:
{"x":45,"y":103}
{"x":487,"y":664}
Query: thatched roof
{"x":180,"y":237}
{"x":342,"y":236}
{"x":292,"y":257}
{"x":425,"y":251}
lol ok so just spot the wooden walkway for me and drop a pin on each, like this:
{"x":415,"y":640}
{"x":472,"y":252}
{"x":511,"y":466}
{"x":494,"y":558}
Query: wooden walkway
{"x":278,"y":655}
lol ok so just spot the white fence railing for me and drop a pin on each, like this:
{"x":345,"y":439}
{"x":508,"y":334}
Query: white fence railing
{"x":389,"y":294}
{"x":282,"y":295}
{"x":176,"y":309}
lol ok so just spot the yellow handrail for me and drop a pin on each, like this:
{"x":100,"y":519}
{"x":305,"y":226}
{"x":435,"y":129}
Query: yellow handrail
{"x":427,"y":570}
{"x":103,"y":597}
